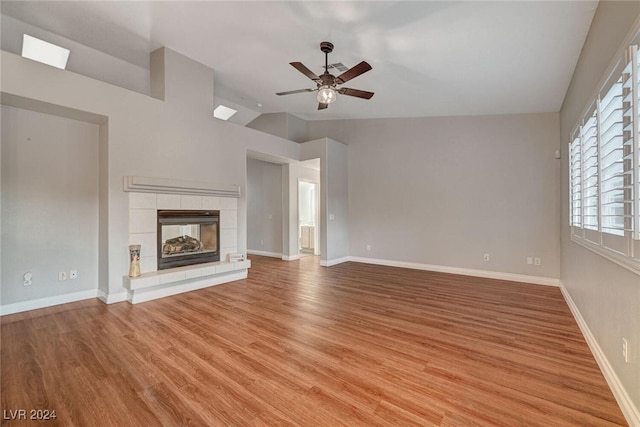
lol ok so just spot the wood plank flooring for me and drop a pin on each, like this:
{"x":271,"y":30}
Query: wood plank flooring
{"x":299,"y":344}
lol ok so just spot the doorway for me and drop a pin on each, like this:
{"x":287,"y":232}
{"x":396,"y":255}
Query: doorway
{"x":308,"y":218}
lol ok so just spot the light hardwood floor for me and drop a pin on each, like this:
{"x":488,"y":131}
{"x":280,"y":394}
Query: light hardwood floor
{"x":300,"y":344}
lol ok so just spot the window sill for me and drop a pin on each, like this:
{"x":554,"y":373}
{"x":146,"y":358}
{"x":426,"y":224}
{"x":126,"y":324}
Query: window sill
{"x":624,"y":261}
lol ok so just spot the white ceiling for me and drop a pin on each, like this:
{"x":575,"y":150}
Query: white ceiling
{"x":429,"y":58}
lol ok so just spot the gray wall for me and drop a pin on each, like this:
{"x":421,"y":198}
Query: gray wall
{"x":608,"y":296}
{"x":284,"y":125}
{"x":334,"y":197}
{"x":444,"y":191}
{"x":50,"y":204}
{"x":176,"y":138}
{"x":264,"y":207}
{"x":83,"y":59}
{"x":337,"y":206}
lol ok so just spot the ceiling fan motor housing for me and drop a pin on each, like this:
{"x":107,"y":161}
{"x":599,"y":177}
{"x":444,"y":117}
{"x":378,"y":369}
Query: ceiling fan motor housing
{"x":326,"y":47}
{"x":327,"y":79}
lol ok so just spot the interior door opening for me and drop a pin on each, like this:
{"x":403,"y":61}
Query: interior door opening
{"x":308,"y":219}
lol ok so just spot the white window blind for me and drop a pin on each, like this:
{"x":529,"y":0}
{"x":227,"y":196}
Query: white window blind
{"x":632,"y":146}
{"x":575,"y":182}
{"x":589,"y":138}
{"x":630,"y":75}
{"x":611,"y":167}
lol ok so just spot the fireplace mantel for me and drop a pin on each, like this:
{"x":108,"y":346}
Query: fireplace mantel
{"x":143,"y":184}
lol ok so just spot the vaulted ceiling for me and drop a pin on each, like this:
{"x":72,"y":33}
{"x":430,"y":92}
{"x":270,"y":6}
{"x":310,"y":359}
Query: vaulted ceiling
{"x":429,"y":58}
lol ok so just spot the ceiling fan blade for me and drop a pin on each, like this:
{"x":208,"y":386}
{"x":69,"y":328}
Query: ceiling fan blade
{"x":353,"y":72}
{"x":304,"y":70}
{"x":355,"y":92}
{"x":295,"y":91}
{"x":322,"y":106}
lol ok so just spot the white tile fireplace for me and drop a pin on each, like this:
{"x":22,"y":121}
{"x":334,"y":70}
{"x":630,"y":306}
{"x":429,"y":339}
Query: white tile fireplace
{"x":160,"y":194}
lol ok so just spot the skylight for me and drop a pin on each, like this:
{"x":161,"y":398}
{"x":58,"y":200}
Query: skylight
{"x":45,"y":52}
{"x":223,"y":113}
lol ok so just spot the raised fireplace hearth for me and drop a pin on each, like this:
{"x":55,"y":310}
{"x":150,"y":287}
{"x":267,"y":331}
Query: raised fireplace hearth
{"x":187,"y":237}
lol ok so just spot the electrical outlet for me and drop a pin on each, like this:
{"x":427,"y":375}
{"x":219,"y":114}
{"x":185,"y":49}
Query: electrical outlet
{"x":62,"y":275}
{"x":537,"y":261}
{"x":486,"y":257}
{"x":626,"y":350}
{"x":26,"y":279}
{"x":530,"y":260}
{"x":368,"y":247}
{"x":73,"y":274}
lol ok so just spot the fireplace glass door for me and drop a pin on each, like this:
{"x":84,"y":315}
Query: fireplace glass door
{"x":187,"y":237}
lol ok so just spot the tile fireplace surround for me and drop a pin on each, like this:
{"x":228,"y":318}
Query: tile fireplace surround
{"x":154,"y":284}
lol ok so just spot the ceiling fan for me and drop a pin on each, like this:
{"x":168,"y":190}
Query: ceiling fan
{"x":327,"y":83}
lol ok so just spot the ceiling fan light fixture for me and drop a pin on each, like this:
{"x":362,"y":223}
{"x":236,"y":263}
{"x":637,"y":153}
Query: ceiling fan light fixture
{"x":327,"y":95}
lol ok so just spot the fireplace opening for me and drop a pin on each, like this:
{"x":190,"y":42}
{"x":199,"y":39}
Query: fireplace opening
{"x":187,"y":237}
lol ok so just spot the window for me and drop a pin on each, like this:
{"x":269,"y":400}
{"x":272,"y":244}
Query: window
{"x":612,"y":205}
{"x":589,"y":140}
{"x":575,"y":181}
{"x":604,"y":169}
{"x":632,"y":144}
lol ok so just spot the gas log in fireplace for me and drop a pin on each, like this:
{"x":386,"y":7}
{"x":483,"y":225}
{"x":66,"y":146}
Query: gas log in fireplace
{"x":187,"y":237}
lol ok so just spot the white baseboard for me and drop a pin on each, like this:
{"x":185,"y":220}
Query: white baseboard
{"x":536,"y":280}
{"x":628,"y":408}
{"x":291,"y":257}
{"x":111,"y":298}
{"x":34,"y":304}
{"x":264,"y":253}
{"x":143,"y":295}
{"x":335,"y":261}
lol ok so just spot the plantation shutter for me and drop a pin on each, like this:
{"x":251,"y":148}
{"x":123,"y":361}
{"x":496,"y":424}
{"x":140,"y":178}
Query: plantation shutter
{"x":630,"y":118}
{"x":589,"y":137}
{"x":575,"y":159}
{"x":612,"y":201}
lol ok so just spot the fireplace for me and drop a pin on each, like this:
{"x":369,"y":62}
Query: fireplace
{"x":187,"y":237}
